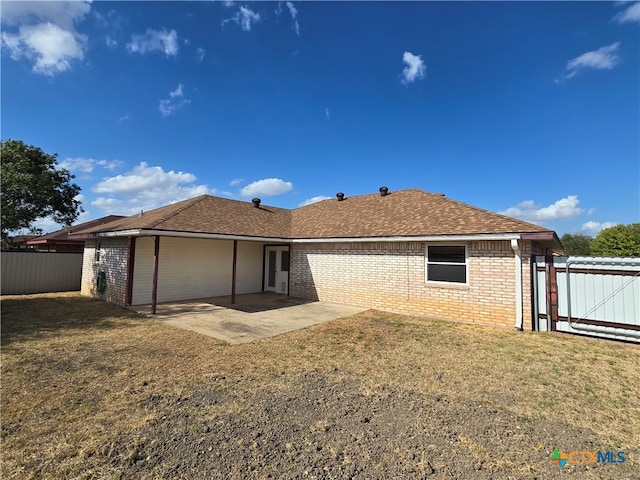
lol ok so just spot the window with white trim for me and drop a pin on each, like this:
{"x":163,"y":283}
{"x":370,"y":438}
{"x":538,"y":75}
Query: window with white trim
{"x":446,"y":263}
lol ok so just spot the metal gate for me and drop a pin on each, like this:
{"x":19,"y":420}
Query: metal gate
{"x":594,"y":296}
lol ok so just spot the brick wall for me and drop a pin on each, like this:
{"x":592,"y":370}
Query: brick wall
{"x":113,"y":260}
{"x":391,"y":276}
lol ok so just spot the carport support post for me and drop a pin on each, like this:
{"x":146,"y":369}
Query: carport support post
{"x":154,"y":292}
{"x":233,"y":272}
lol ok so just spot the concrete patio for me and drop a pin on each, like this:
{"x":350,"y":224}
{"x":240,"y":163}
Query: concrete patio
{"x":252,"y":317}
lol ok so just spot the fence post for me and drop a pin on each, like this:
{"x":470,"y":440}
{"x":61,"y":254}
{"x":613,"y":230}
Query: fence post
{"x":552,"y":292}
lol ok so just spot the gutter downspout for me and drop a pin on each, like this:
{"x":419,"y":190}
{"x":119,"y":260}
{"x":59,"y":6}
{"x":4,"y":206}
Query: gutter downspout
{"x":518,"y":290}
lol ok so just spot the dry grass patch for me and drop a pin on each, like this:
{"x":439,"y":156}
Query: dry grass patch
{"x":93,"y":390}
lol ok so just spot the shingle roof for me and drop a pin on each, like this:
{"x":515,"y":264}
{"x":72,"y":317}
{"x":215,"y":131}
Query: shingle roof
{"x":402,"y":213}
{"x":63,"y":233}
{"x":410,"y":212}
{"x":208,"y":214}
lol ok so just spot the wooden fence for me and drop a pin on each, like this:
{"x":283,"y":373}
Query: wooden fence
{"x":26,"y":272}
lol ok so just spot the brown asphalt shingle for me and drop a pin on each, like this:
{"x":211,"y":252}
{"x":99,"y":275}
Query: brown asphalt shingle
{"x":401,"y":213}
{"x":208,"y":214}
{"x":63,"y":234}
{"x":410,"y":212}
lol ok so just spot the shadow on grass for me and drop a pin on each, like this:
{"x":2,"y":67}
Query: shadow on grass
{"x":35,"y":316}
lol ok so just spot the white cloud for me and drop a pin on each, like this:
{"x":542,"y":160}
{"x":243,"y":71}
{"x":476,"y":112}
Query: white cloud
{"x":109,"y":20}
{"x":87,"y":165}
{"x":49,"y":225}
{"x":266,"y":187}
{"x":62,"y":14}
{"x":327,"y":114}
{"x":294,"y":16}
{"x":123,"y":118}
{"x":168,"y":107}
{"x":78,"y":164}
{"x":563,"y":209}
{"x":595,"y":227}
{"x":171,"y":105}
{"x":50,"y":47}
{"x":109,"y":164}
{"x":46,"y":33}
{"x":629,"y":15}
{"x":155,"y":41}
{"x":236,"y":181}
{"x":605,"y":58}
{"x":311,"y":200}
{"x":177,"y":92}
{"x":110,"y":42}
{"x":200,"y":53}
{"x":141,"y":178}
{"x":245,"y":17}
{"x":145,"y":188}
{"x":414,"y":69}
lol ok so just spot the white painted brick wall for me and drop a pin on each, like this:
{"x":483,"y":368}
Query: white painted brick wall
{"x":391,"y":276}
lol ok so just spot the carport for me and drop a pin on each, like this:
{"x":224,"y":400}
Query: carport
{"x":251,"y":317}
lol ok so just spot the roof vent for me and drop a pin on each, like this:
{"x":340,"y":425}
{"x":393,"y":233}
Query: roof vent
{"x":439,"y":194}
{"x":256,"y":202}
{"x":340,"y":196}
{"x":384,"y":191}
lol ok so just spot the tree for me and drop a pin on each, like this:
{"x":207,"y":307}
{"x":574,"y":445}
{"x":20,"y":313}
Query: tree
{"x":577,"y":244}
{"x":34,"y":187}
{"x":618,"y":241}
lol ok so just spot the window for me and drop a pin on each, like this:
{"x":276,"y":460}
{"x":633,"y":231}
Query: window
{"x":284,"y":260}
{"x":446,"y":263}
{"x":97,"y":257}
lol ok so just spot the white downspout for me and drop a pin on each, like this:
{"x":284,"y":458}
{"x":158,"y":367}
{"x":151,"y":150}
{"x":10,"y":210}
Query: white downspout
{"x":518,"y":292}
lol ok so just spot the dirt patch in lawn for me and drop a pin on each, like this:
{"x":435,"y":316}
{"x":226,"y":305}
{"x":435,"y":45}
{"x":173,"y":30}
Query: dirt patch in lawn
{"x":90,"y":390}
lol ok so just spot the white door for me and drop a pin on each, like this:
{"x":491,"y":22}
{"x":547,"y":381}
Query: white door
{"x":276,"y":270}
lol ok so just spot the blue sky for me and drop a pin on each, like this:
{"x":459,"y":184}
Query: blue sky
{"x":526,"y":108}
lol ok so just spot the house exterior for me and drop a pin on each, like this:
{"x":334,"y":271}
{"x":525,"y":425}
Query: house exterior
{"x":17,"y":242}
{"x":60,"y":240}
{"x":407,"y":251}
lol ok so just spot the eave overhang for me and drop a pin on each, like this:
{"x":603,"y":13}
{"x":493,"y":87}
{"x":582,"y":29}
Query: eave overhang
{"x":172,"y":233}
{"x":536,"y":236}
{"x":414,"y":238}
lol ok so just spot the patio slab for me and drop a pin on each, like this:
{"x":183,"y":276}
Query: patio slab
{"x":252,"y":317}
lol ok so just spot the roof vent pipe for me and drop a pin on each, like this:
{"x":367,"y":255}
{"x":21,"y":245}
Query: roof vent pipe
{"x":256,"y":202}
{"x":340,"y":196}
{"x":384,"y":191}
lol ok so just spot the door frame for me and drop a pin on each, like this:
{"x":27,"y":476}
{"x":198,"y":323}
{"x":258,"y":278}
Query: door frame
{"x":265,"y":249}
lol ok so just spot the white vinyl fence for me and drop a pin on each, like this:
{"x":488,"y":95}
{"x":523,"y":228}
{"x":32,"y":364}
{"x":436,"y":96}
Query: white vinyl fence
{"x":40,"y":272}
{"x":595,"y":296}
